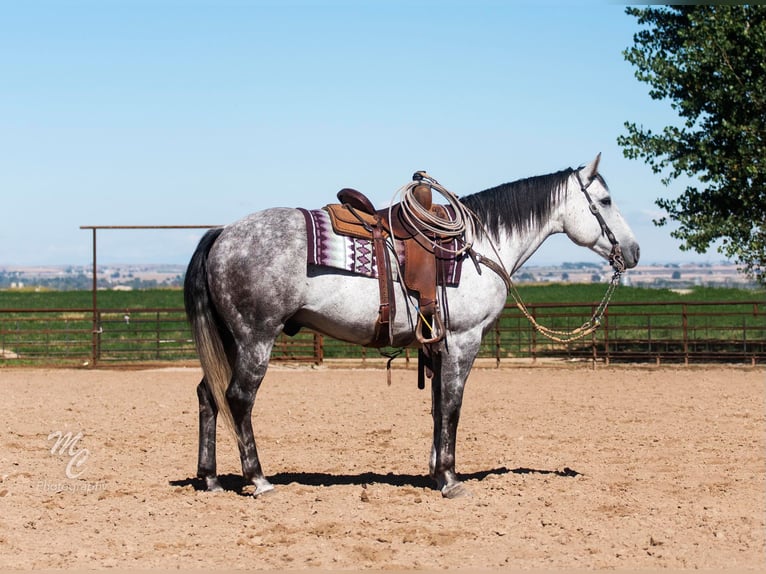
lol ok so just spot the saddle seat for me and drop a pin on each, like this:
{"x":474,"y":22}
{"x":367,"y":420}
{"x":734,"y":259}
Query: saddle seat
{"x":356,"y":199}
{"x":356,"y":215}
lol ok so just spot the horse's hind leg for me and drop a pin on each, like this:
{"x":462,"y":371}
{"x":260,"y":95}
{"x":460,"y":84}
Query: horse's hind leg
{"x":249,"y":370}
{"x":206,"y":466}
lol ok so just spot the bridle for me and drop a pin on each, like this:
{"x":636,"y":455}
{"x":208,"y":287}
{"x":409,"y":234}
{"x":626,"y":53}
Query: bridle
{"x":616,"y":259}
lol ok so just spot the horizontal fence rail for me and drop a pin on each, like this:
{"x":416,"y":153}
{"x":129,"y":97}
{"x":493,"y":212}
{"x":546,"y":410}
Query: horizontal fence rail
{"x":636,"y":332}
{"x":659,"y":332}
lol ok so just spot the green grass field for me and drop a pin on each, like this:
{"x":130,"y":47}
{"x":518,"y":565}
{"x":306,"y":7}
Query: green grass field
{"x":149,"y":299}
{"x":150,"y":325}
{"x":532,"y":294}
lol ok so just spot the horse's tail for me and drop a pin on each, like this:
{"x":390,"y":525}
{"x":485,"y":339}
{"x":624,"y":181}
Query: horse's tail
{"x":208,"y":330}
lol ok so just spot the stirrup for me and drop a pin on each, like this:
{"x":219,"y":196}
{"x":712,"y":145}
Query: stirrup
{"x":437,"y":330}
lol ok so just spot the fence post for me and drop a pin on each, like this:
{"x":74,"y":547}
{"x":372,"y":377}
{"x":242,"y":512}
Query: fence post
{"x":649,"y":338}
{"x":685,"y":323}
{"x":318,"y":349}
{"x":95,"y":351}
{"x":497,"y":343}
{"x":744,"y":335}
{"x":97,"y":330}
{"x":534,"y":335}
{"x":47,"y":352}
{"x":606,"y":336}
{"x":158,"y":338}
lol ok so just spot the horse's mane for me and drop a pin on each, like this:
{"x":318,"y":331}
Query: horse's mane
{"x":518,"y":205}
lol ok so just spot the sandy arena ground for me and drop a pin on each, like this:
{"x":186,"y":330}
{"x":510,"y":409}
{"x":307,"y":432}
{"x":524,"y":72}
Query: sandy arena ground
{"x":569,"y":468}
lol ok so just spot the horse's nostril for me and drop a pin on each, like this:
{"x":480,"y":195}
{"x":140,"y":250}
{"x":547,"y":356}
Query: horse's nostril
{"x":636,"y":253}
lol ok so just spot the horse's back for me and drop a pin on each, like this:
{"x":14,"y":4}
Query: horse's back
{"x":261,"y":239}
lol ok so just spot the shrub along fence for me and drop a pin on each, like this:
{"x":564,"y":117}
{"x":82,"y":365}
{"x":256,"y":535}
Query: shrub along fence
{"x":630,"y":332}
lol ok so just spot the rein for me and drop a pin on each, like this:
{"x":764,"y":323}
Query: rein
{"x":615,"y":260}
{"x":583,"y":330}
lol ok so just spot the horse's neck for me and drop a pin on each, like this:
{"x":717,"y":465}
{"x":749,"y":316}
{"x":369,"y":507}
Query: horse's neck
{"x":515,"y":247}
{"x":517,"y":242}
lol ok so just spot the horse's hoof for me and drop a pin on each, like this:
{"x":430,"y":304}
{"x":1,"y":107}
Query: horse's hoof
{"x":212,"y":484}
{"x":457,"y":490}
{"x":264,"y":490}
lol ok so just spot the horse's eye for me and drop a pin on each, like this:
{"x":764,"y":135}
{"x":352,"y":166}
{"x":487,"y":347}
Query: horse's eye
{"x":606,"y":202}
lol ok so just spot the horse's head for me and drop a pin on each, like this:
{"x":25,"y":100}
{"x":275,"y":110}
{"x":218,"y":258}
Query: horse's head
{"x":592,"y":219}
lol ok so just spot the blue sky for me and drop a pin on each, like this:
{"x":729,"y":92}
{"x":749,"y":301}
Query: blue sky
{"x":195,"y":112}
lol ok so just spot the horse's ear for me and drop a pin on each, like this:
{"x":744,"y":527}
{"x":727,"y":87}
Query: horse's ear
{"x":590,"y":171}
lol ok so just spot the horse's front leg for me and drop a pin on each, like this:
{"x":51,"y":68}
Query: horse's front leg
{"x":450,"y":375}
{"x":206,"y":467}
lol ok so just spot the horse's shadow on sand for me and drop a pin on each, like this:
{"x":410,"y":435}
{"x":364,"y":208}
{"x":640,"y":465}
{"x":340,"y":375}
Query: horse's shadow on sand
{"x":236,"y":483}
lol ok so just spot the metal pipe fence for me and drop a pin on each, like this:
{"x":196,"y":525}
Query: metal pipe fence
{"x":704,"y":331}
{"x":630,"y":332}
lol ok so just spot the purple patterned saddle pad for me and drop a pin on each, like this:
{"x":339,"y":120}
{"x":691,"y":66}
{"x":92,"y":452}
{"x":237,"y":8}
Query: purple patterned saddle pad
{"x":327,"y":249}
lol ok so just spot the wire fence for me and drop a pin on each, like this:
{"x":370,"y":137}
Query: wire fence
{"x":689,"y":332}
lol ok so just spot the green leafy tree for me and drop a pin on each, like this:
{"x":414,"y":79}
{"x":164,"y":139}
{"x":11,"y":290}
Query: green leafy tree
{"x":710,"y":63}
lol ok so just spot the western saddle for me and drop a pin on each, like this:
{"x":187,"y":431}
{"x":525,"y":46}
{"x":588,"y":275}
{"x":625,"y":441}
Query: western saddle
{"x":356,"y":216}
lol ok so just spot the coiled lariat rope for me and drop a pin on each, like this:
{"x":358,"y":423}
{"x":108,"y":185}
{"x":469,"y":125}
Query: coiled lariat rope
{"x":464,"y":220}
{"x":425,"y":221}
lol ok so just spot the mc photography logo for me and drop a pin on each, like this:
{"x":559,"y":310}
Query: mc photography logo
{"x":66,"y":445}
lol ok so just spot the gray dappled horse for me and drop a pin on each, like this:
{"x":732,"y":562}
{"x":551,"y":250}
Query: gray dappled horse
{"x":249,"y":281}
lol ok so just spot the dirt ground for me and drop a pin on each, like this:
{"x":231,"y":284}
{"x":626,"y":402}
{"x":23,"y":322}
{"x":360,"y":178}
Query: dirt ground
{"x":571,"y":467}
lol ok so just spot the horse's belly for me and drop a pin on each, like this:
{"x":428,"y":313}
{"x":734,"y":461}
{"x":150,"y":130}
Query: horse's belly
{"x":346,"y":306}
